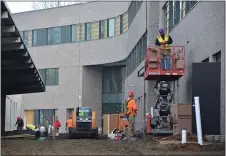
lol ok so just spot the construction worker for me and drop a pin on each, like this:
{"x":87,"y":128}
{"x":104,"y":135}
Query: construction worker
{"x":131,"y":112}
{"x":46,"y":125}
{"x":69,"y":125}
{"x":19,"y":123}
{"x":163,"y":41}
{"x":57,"y":125}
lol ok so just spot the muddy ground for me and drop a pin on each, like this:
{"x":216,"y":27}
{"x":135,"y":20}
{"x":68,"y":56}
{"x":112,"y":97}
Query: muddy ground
{"x":105,"y":147}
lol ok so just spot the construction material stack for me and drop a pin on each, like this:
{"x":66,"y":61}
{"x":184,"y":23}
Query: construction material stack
{"x":182,"y":118}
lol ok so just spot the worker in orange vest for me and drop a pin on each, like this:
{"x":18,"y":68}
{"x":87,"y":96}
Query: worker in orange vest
{"x":131,"y":112}
{"x":69,"y":125}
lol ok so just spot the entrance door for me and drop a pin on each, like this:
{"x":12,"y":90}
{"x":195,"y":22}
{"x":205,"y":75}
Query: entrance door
{"x":206,"y":85}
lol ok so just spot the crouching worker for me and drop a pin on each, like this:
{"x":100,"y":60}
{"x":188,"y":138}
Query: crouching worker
{"x":19,"y":124}
{"x":69,"y":126}
{"x":31,"y":127}
{"x":131,"y":112}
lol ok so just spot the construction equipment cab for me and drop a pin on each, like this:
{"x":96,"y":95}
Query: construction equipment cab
{"x":84,"y":123}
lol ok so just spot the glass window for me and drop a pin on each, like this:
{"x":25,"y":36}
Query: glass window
{"x":176,"y":14}
{"x":27,"y":38}
{"x":73,"y":33}
{"x":43,"y":74}
{"x":95,"y":30}
{"x":50,"y":76}
{"x":54,"y":35}
{"x":103,"y":29}
{"x":111,"y":27}
{"x":117,"y":25}
{"x":82,"y":32}
{"x":39,"y":37}
{"x":66,"y":34}
{"x":88,"y":31}
{"x":125,"y":22}
{"x":69,"y":112}
{"x":183,"y":4}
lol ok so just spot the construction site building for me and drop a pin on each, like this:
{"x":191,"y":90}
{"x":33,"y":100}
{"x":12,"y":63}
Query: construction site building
{"x":89,"y":54}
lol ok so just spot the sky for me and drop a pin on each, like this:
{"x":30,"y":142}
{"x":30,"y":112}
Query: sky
{"x":16,"y":7}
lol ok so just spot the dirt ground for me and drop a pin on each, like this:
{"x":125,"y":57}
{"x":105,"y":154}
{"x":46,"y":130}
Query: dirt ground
{"x":105,"y":147}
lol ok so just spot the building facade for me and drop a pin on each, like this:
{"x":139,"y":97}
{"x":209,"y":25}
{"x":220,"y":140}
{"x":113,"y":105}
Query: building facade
{"x":89,"y":54}
{"x":14,"y":109}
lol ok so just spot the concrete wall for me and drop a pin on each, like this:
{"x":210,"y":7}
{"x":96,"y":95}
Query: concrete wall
{"x":205,"y":39}
{"x":92,"y":90}
{"x":13,"y":110}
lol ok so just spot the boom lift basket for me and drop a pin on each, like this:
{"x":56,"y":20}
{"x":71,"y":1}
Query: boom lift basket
{"x":155,"y":61}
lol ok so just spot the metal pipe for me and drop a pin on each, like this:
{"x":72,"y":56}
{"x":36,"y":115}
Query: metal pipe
{"x":198,"y":120}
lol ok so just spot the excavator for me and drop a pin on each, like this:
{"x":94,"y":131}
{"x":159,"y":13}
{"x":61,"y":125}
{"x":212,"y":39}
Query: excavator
{"x":166,"y":79}
{"x":84,"y":124}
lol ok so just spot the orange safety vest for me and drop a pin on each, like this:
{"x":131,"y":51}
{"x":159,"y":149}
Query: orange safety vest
{"x":161,"y":40}
{"x":69,"y":123}
{"x":132,"y":108}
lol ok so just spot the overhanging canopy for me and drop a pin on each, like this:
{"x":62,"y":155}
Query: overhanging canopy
{"x":18,"y":72}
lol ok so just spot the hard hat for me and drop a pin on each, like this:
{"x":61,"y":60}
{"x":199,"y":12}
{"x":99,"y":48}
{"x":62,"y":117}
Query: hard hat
{"x":161,"y":30}
{"x":131,"y":93}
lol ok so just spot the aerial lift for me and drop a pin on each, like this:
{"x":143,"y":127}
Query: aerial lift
{"x":84,"y":123}
{"x":166,"y":78}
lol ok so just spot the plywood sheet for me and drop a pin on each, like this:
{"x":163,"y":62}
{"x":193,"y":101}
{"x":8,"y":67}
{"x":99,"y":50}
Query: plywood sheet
{"x":30,"y":114}
{"x":93,"y":119}
{"x":105,"y":124}
{"x":73,"y":118}
{"x":114,"y":121}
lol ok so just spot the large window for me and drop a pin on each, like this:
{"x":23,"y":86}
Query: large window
{"x":73,"y":33}
{"x":111,"y":27}
{"x":88,"y":31}
{"x":132,"y":11}
{"x":103,"y":29}
{"x":137,"y":55}
{"x":95,"y":30}
{"x":66,"y":34}
{"x":40,"y":116}
{"x":39,"y":37}
{"x":174,"y":11}
{"x":27,"y":38}
{"x":112,"y":89}
{"x":50,"y":76}
{"x":83,"y":31}
{"x":54,"y":35}
{"x":117,"y":25}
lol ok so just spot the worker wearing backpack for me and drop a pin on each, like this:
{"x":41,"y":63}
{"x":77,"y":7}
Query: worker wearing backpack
{"x":131,"y":112}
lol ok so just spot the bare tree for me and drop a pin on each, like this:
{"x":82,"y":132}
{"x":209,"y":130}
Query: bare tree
{"x":51,"y":4}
